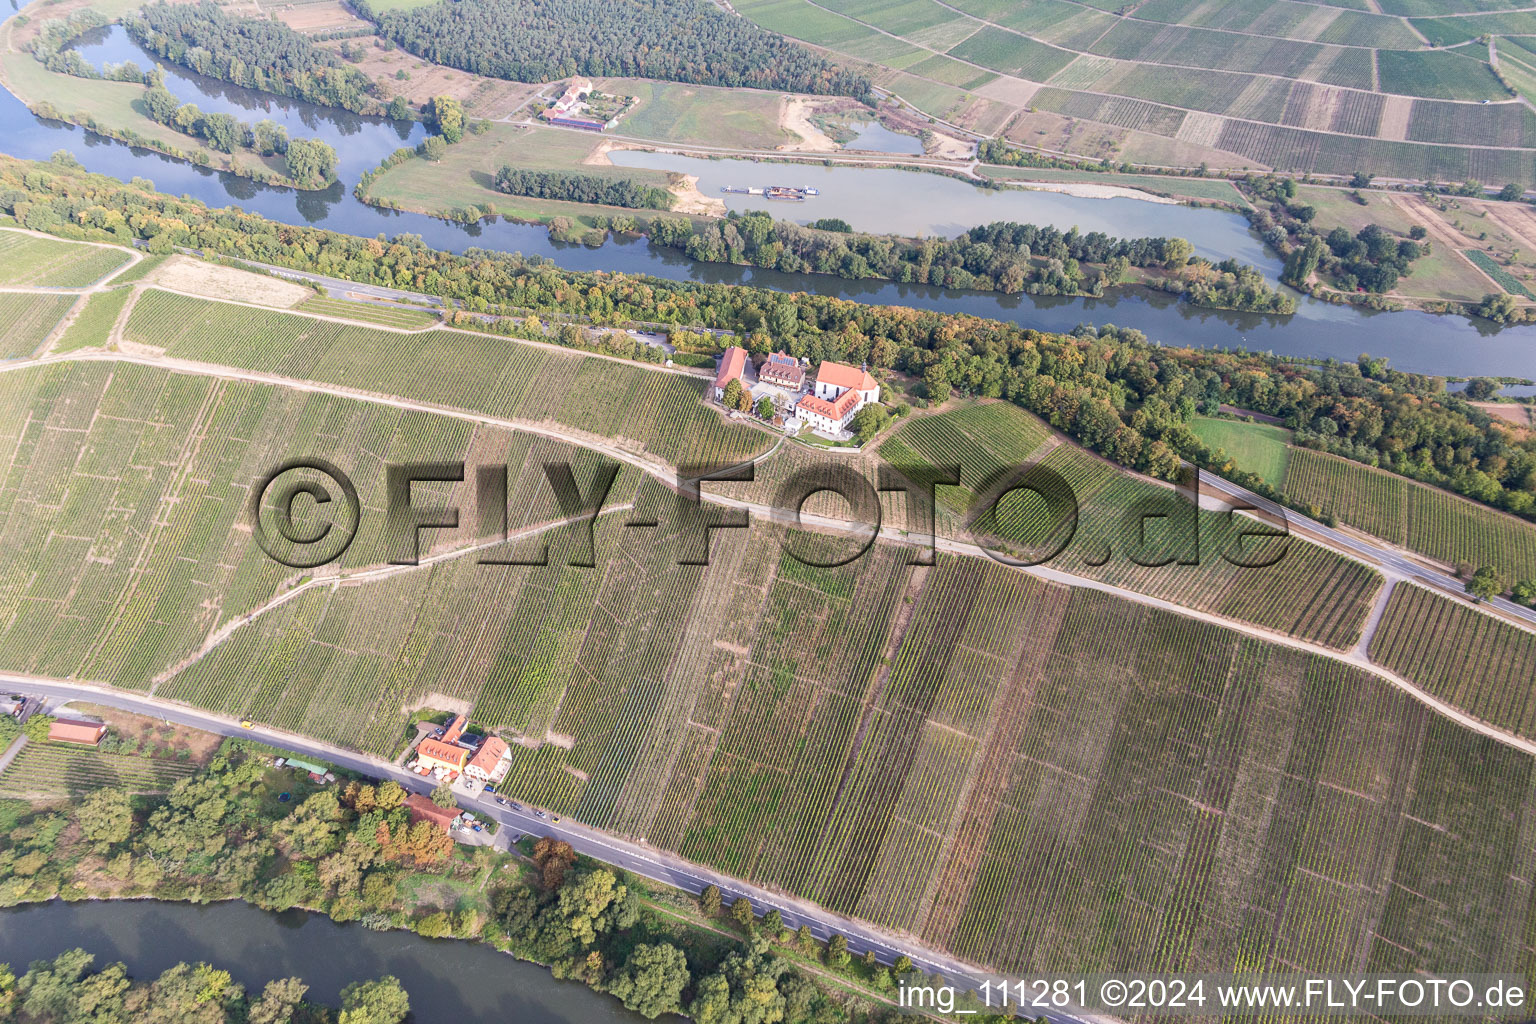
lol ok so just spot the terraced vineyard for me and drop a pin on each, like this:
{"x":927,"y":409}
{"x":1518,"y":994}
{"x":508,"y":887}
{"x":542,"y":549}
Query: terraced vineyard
{"x":31,"y":260}
{"x":370,"y":312}
{"x":1474,"y":661}
{"x":1297,"y":87}
{"x":127,"y":530}
{"x":660,"y":412}
{"x":59,"y":769}
{"x":25,"y":320}
{"x":1425,"y":519}
{"x":1023,"y":773}
{"x":93,"y":324}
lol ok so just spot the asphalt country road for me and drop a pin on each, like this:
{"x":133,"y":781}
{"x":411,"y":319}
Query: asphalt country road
{"x":637,"y":858}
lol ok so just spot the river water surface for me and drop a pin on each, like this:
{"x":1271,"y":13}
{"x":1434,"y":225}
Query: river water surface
{"x":449,"y":982}
{"x":1416,"y":342}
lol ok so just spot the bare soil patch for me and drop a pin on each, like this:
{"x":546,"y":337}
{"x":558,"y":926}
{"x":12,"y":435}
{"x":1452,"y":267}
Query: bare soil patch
{"x":690,"y":200}
{"x":1394,"y":118}
{"x":490,"y":98}
{"x":438,"y":702}
{"x":211,"y":281}
{"x":1520,"y":415}
{"x":795,"y":117}
{"x":322,"y":17}
{"x":152,"y":731}
{"x":1007,"y":89}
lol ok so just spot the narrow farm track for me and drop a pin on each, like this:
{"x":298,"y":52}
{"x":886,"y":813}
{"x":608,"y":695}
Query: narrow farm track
{"x":1383,"y":559}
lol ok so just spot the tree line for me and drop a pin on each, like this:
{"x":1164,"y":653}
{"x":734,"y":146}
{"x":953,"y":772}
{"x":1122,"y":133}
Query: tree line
{"x":250,"y":52}
{"x":311,"y":162}
{"x":675,"y":40}
{"x":582,"y":188}
{"x":1110,"y":388}
{"x":71,"y":989}
{"x":350,"y":851}
{"x":1002,"y":256}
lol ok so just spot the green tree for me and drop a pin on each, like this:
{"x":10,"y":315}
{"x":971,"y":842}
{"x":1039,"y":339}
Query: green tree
{"x":741,"y":912}
{"x":105,"y":817}
{"x":269,"y":137}
{"x":731,"y":397}
{"x":837,"y":951}
{"x":311,"y":161}
{"x":936,"y":383}
{"x":652,"y":980}
{"x":278,"y":1003}
{"x":447,"y":115}
{"x":869,"y":421}
{"x":1480,"y":389}
{"x":1509,"y":193}
{"x":389,"y":795}
{"x":443,"y":795}
{"x":374,"y":1002}
{"x":709,"y":901}
{"x":765,"y":408}
{"x":805,"y":942}
{"x":1485,"y":584}
{"x":773,"y":923}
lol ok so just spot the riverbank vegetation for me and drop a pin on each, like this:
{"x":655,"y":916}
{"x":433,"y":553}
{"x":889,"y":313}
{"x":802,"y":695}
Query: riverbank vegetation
{"x":71,"y":989}
{"x":311,"y":162}
{"x":675,"y":40}
{"x":253,"y":53}
{"x":582,"y":188}
{"x":243,"y":829}
{"x":1002,"y":256}
{"x":1110,"y":389}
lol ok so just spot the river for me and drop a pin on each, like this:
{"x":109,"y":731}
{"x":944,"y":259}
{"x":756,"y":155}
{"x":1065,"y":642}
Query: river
{"x":1417,"y":342}
{"x":449,"y":982}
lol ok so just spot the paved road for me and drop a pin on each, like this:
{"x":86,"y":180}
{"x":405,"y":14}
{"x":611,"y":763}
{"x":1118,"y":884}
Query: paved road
{"x":1391,"y":561}
{"x":636,"y":857}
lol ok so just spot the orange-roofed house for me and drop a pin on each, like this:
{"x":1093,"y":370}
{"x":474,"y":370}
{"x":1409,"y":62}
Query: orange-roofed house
{"x":490,"y":762}
{"x":840,"y":392}
{"x":449,"y":757}
{"x":834,"y":379}
{"x":732,"y":363}
{"x":69,"y":730}
{"x":456,"y":728}
{"x":422,"y":809}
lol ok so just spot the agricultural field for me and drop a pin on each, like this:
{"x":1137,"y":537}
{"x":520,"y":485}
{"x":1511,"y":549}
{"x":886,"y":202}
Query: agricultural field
{"x":26,"y":319}
{"x":463,"y":179}
{"x":960,"y":751}
{"x":370,"y":312}
{"x":645,"y":409}
{"x":1444,"y":526}
{"x":674,"y":112}
{"x":1474,"y":661}
{"x":46,"y":769}
{"x":52,"y":262}
{"x":1256,"y":447}
{"x":93,"y":324}
{"x":125,"y":504}
{"x":1105,"y":540}
{"x":1340,"y":79}
{"x":1503,"y":278}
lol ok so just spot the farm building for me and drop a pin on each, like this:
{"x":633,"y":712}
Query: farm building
{"x":422,"y":809}
{"x":490,"y":762}
{"x":782,"y":371}
{"x":435,"y":754}
{"x":73,"y":730}
{"x":733,"y":362}
{"x":9,"y":706}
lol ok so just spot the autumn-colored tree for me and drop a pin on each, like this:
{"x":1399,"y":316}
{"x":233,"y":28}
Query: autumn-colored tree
{"x":553,"y":857}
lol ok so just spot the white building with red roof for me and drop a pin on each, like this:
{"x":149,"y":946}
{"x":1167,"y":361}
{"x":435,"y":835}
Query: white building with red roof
{"x":840,"y":391}
{"x":733,"y":363}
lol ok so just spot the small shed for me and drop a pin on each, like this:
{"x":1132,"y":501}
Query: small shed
{"x":76,"y":730}
{"x":422,"y":809}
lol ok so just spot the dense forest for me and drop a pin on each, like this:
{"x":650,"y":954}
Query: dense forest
{"x":254,"y":53}
{"x":675,"y":40}
{"x":1113,"y":390}
{"x":68,"y":989}
{"x":351,"y":851}
{"x":582,"y":188}
{"x":1001,"y":256}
